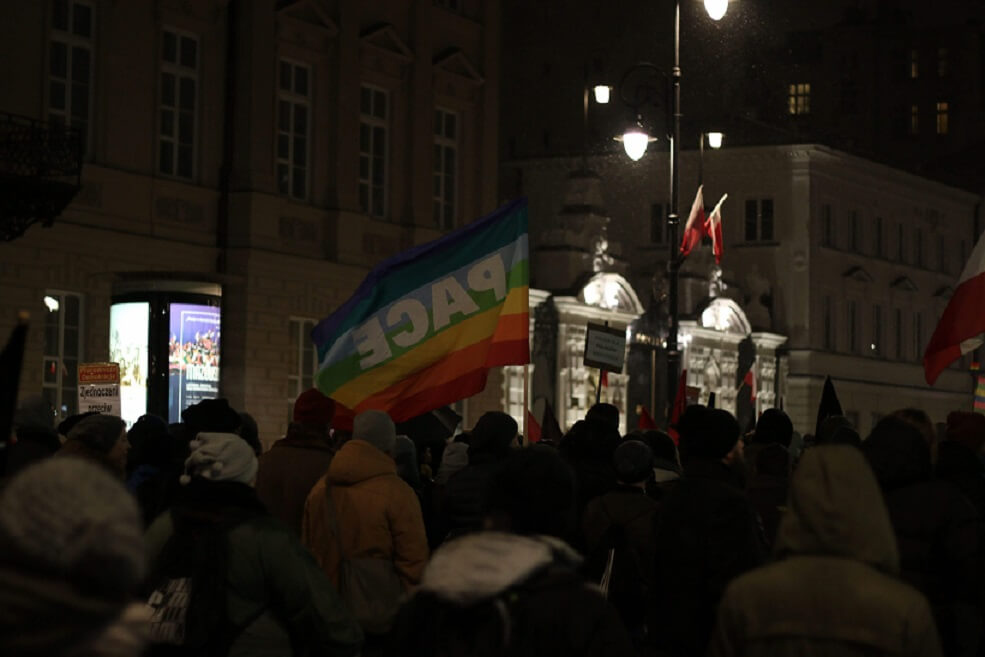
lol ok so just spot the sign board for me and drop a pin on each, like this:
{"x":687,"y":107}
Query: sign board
{"x":99,"y":388}
{"x":605,"y":347}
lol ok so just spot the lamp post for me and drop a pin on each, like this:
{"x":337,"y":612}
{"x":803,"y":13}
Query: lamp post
{"x":635,"y":141}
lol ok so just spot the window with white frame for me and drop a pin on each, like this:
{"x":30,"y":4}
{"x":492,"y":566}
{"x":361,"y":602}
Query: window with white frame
{"x":293,"y":128}
{"x":70,"y":63}
{"x":876,"y":345}
{"x":445,"y":168}
{"x":759,"y":220}
{"x":899,"y":334}
{"x":942,"y":122}
{"x":374,"y":112}
{"x":917,"y":336}
{"x":829,"y":324}
{"x":513,"y":393}
{"x":62,"y":351}
{"x":827,"y":226}
{"x":799,"y":98}
{"x":302,"y":359}
{"x":851,"y":321}
{"x":178,"y":103}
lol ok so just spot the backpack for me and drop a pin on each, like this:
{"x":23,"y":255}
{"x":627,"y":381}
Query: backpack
{"x":369,"y":586}
{"x":615,"y":565}
{"x":187,"y":593}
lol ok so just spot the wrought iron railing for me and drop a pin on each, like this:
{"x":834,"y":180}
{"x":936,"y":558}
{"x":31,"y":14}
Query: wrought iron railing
{"x":40,"y":172}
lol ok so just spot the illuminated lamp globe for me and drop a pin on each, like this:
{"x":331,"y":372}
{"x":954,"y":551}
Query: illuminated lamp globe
{"x":602,"y":94}
{"x":635,"y":141}
{"x":715,"y":139}
{"x":716,"y":8}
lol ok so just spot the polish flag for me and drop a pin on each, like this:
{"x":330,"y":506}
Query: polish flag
{"x":533,"y":429}
{"x":713,"y":227}
{"x":694,"y":229}
{"x":963,"y":322}
{"x":750,"y":380}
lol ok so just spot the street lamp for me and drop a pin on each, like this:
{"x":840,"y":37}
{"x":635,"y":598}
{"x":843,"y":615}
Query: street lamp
{"x":715,"y":142}
{"x":635,"y":141}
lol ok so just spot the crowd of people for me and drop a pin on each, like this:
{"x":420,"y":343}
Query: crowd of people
{"x":190,"y":539}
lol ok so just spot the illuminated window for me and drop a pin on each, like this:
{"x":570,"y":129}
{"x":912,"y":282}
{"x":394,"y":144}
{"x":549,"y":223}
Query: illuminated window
{"x":942,"y":109}
{"x":914,"y":119}
{"x":178,"y":104}
{"x":302,"y":360}
{"x":914,"y":64}
{"x":293,"y":128}
{"x":62,"y":351}
{"x":70,"y":66}
{"x":374,"y":113}
{"x":799,"y":98}
{"x":445,"y":168}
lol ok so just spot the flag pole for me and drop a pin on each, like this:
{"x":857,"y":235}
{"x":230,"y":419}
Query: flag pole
{"x":526,"y":407}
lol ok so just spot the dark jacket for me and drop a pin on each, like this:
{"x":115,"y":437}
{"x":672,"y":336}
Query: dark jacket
{"x":627,"y":507}
{"x":706,"y":535}
{"x":938,"y":532}
{"x":288,"y":471}
{"x":766,"y":487}
{"x":493,"y":594}
{"x":270,"y":577}
{"x":834,"y":590}
{"x":463,"y":496}
{"x":959,"y":465}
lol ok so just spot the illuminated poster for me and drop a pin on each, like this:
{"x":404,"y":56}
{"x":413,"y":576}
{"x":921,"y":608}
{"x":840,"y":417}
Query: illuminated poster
{"x":128,"y":347}
{"x":193,"y":363}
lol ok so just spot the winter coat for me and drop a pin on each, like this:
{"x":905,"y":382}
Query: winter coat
{"x":627,"y":507}
{"x":463,"y":496}
{"x":288,"y":471}
{"x":490,"y":593}
{"x":939,"y":535}
{"x":959,"y":465}
{"x":835,"y":590}
{"x":271,"y":579}
{"x":707,"y":534}
{"x":378,"y":514}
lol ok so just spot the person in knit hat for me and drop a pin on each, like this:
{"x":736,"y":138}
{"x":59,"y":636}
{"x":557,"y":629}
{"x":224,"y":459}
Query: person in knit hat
{"x":102,"y":439}
{"x":294,"y":463}
{"x":269,"y":588}
{"x":72,"y":560}
{"x":376,"y":512}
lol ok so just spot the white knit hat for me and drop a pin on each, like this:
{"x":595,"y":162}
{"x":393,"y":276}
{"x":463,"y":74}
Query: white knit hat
{"x":377,"y":429}
{"x":220,"y":457}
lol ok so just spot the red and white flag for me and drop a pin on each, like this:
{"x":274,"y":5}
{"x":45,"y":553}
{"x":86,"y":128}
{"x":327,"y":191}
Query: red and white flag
{"x":750,"y":380}
{"x":713,"y":227}
{"x":694,"y":229}
{"x":963,"y":322}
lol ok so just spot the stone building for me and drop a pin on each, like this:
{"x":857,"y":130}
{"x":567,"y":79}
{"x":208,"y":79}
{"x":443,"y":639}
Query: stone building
{"x":259,"y":155}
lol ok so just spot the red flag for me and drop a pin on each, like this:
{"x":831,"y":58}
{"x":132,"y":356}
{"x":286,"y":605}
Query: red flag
{"x":533,"y":429}
{"x":750,"y":380}
{"x":713,"y":228}
{"x":960,"y":327}
{"x":645,"y":421}
{"x":604,"y":379}
{"x":695,"y":228}
{"x":680,"y":405}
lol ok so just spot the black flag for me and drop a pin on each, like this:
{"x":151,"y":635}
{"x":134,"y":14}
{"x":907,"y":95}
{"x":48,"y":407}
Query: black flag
{"x":711,"y":399}
{"x":10,"y":373}
{"x":550,"y":430}
{"x":829,"y":405}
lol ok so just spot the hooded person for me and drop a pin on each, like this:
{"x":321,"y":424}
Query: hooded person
{"x":361,"y":509}
{"x":618,"y":536}
{"x":72,"y":562}
{"x":513,"y":588}
{"x":492,"y":440}
{"x":938,"y":531}
{"x":102,"y":439}
{"x":255,"y":589}
{"x":290,"y":468}
{"x":707,"y":533}
{"x":773,"y":428}
{"x":834,"y":589}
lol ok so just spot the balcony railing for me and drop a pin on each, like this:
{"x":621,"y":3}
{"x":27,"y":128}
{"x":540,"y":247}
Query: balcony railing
{"x":40,"y":169}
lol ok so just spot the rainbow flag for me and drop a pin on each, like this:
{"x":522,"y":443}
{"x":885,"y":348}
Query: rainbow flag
{"x":979,"y":404}
{"x":425,"y":326}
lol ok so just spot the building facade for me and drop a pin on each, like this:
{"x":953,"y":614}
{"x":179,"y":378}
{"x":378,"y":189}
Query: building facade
{"x":841,"y":264}
{"x":265,"y":153}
